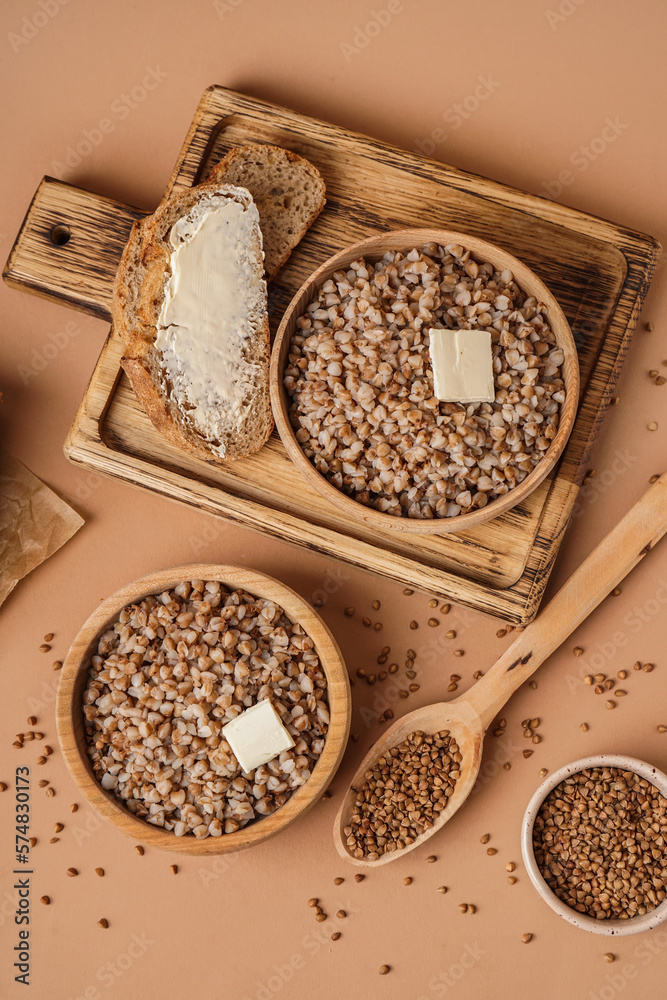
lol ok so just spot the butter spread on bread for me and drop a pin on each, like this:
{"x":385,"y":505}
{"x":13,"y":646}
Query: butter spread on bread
{"x":209,"y":311}
{"x":190,"y":303}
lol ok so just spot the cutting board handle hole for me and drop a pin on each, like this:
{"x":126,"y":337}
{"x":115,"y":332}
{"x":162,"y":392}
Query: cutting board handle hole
{"x":60,"y":235}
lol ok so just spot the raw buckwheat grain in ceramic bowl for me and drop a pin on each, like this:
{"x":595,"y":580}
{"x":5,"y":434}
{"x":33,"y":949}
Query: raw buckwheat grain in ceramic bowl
{"x":353,"y":384}
{"x":158,"y":708}
{"x":594,"y":842}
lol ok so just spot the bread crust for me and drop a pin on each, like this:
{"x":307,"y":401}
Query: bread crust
{"x":155,"y":406}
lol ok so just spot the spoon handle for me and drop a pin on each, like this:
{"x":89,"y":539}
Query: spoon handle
{"x":618,"y":553}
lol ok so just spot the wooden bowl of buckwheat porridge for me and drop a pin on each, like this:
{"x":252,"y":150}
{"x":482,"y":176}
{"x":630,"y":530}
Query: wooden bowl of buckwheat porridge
{"x":353,"y":392}
{"x":152,"y":683}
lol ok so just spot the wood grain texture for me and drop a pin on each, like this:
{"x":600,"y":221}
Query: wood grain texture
{"x":70,"y":722}
{"x":372,"y":250}
{"x":75,"y":272}
{"x":597,"y":271}
{"x":468,"y":716}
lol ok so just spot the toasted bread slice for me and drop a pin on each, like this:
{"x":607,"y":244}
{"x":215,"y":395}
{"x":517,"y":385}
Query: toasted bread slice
{"x":288,"y":191}
{"x":194,"y":321}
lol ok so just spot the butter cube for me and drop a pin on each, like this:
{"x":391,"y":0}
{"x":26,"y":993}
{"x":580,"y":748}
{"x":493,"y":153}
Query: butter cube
{"x":257,"y":735}
{"x":462,"y":364}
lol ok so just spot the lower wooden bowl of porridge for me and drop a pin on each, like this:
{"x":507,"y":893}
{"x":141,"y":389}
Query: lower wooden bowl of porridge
{"x":352,"y":382}
{"x":153,"y":681}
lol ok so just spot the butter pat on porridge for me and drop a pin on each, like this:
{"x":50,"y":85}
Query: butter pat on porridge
{"x":257,"y":735}
{"x":462,"y":362}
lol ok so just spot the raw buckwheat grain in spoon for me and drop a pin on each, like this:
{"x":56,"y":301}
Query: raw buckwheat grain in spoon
{"x":425,"y":765}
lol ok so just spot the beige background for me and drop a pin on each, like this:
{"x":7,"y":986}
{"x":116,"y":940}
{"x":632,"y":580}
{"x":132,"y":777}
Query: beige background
{"x":547,"y":79}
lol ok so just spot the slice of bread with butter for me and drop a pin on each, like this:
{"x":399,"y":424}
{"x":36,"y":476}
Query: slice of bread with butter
{"x":288,"y":191}
{"x":190,"y":303}
{"x":190,"y":299}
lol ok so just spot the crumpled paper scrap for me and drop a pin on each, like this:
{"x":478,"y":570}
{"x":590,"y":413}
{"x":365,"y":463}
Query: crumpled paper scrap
{"x":34,"y":522}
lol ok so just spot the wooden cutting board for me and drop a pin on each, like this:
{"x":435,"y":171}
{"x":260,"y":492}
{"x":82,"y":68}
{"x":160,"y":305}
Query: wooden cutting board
{"x":69,"y":247}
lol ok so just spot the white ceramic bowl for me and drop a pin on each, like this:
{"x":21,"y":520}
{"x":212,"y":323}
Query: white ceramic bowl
{"x":617,"y":928}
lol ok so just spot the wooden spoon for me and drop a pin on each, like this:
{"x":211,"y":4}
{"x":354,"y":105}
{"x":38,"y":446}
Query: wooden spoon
{"x":468,"y":717}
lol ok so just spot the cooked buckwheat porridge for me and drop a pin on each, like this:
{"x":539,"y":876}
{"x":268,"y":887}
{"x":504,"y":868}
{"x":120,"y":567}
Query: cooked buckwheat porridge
{"x":360,"y":383}
{"x":169,"y":673}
